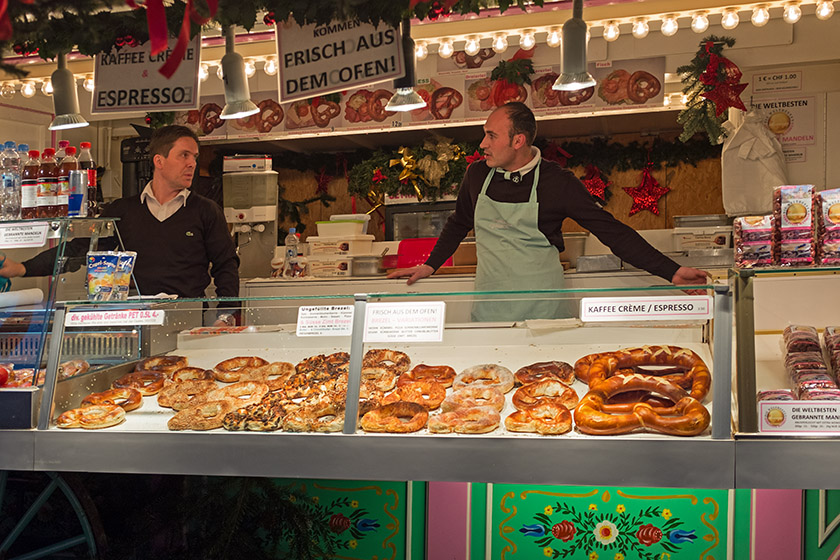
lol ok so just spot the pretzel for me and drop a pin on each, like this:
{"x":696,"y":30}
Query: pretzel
{"x":201,"y":416}
{"x":376,"y":107}
{"x":71,"y":368}
{"x":127,"y":398}
{"x":270,"y":115}
{"x":530,"y":395}
{"x":444,"y":375}
{"x":427,"y":393}
{"x":474,"y":397}
{"x":229,"y":371}
{"x":274,"y":375}
{"x":548,"y":417}
{"x":475,"y":420}
{"x":545,"y":370}
{"x":209,"y":117}
{"x":164,"y":364}
{"x":324,"y":112}
{"x":91,"y":417}
{"x":688,"y":417}
{"x":642,"y":86}
{"x":444,"y":101}
{"x":147,"y":382}
{"x":476,"y":60}
{"x":575,"y":97}
{"x":320,"y":417}
{"x":192,"y":373}
{"x":485,"y":375}
{"x":398,"y":417}
{"x":383,"y":366}
{"x":179,"y":396}
{"x":240,"y":394}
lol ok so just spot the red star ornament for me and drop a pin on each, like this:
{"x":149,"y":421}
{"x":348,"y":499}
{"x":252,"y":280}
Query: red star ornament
{"x":646,"y":196}
{"x":725,"y":96}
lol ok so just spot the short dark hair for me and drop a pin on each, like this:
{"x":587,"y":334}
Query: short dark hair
{"x":522,"y":121}
{"x":165,"y":137}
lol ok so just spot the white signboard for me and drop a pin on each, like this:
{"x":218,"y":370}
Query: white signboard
{"x":799,"y":417}
{"x":772,"y":82}
{"x":654,"y":308}
{"x":127,"y":80}
{"x":405,"y":322}
{"x":792,"y":120}
{"x":342,"y":55}
{"x":13,"y":236}
{"x":116,"y":317}
{"x":325,"y":320}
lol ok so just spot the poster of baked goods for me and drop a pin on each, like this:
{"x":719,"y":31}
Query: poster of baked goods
{"x":267,"y":121}
{"x":205,"y":120}
{"x":622,"y":83}
{"x":544,"y":99}
{"x":460,"y":61}
{"x":484,"y":95}
{"x":366,"y":106}
{"x":444,"y":99}
{"x":316,"y":112}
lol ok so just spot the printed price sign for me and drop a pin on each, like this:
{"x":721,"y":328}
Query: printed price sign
{"x":777,"y":81}
{"x":325,"y":320}
{"x":117,"y":317}
{"x":654,"y":308}
{"x":799,"y":417}
{"x":405,"y":322}
{"x":13,"y":236}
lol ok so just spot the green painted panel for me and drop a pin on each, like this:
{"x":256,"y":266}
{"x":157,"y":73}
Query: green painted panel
{"x":819,"y":529}
{"x":419,"y":499}
{"x":741,"y":531}
{"x":478,"y":521}
{"x":607,"y":523}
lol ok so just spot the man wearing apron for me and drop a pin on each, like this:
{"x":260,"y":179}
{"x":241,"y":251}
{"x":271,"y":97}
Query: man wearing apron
{"x":516,"y":203}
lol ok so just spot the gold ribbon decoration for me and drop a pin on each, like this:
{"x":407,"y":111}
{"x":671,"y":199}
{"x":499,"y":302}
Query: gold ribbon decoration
{"x":408,"y":173}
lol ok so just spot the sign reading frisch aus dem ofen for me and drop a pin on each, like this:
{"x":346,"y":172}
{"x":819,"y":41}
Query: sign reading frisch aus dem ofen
{"x":128,"y":80}
{"x":320,"y":59}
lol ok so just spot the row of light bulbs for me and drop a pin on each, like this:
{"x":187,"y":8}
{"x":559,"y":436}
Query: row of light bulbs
{"x":640,"y":27}
{"x":270,"y":66}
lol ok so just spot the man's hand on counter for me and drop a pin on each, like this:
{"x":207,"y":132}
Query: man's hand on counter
{"x":414,"y":273}
{"x":686,"y":275}
{"x":12,"y":269}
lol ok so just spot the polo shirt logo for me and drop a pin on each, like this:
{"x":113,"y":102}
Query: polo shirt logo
{"x":190,"y":234}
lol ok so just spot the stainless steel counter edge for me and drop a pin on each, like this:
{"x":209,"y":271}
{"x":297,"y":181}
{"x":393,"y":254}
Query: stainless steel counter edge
{"x":787,"y":463}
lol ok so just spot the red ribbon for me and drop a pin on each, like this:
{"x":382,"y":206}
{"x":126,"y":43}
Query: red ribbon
{"x":447,"y":4}
{"x":177,"y":55}
{"x":475,"y":157}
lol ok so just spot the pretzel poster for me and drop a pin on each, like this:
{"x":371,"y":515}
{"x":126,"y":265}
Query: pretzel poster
{"x":623,"y":83}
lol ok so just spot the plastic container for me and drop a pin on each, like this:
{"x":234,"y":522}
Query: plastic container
{"x":351,"y":245}
{"x":341,"y":228}
{"x":341,"y":217}
{"x":290,"y":253}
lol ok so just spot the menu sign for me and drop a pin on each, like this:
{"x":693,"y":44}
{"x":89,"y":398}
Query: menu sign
{"x":116,"y":317}
{"x":14,"y":236}
{"x":325,"y":320}
{"x":655,"y":308}
{"x":404,"y":322}
{"x":799,"y":417}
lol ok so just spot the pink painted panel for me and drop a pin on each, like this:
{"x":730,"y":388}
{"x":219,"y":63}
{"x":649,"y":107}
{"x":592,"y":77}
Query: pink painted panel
{"x":447,"y":526}
{"x":777,"y":524}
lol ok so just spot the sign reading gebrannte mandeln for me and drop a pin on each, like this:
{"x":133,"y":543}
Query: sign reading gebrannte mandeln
{"x":320,"y":59}
{"x":127,"y":80}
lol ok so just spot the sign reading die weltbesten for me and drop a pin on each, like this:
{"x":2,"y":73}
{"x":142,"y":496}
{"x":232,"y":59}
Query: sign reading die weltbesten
{"x":13,"y":236}
{"x":115,"y":317}
{"x":320,"y":59}
{"x":404,"y":322}
{"x":799,"y":417}
{"x":127,"y":80}
{"x":655,"y":308}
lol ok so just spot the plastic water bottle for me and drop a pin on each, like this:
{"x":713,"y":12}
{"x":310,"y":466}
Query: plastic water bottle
{"x":290,"y":260}
{"x":10,"y":173}
{"x":23,"y":152}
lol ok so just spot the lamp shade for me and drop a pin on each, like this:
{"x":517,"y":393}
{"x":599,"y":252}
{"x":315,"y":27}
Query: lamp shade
{"x":238,"y":102}
{"x":574,"y":75}
{"x":65,"y":98}
{"x":406,"y":99}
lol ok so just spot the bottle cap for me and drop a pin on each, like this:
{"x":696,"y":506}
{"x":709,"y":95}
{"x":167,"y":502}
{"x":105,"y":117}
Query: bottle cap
{"x":63,"y":143}
{"x":84,"y":145}
{"x":23,"y":147}
{"x":10,"y":145}
{"x":34,"y":154}
{"x":71,"y":151}
{"x":49,"y":152}
{"x":292,"y":230}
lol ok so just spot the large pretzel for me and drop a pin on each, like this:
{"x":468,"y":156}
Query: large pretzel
{"x":444,"y":101}
{"x":324,"y":112}
{"x":209,"y":117}
{"x":270,"y":115}
{"x":376,"y":104}
{"x":575,"y":97}
{"x":642,"y":86}
{"x":688,"y":417}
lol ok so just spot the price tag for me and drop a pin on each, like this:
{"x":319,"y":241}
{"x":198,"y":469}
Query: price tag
{"x":777,"y":81}
{"x":654,"y":308}
{"x":405,"y":322}
{"x":116,"y":317}
{"x":799,"y":417}
{"x":325,"y":320}
{"x":13,"y":236}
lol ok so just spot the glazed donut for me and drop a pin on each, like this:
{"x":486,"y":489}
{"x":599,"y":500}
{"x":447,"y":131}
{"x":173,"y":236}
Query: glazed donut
{"x":71,"y":368}
{"x":320,"y":417}
{"x":164,"y":364}
{"x":474,"y":397}
{"x":399,"y":417}
{"x":444,"y":101}
{"x":575,"y":97}
{"x":229,"y":371}
{"x":270,"y":115}
{"x":688,"y":417}
{"x":240,"y":394}
{"x":186,"y":393}
{"x":324,"y":112}
{"x":147,"y":382}
{"x":209,"y":117}
{"x":642,"y":86}
{"x":127,"y":398}
{"x":542,"y":370}
{"x":191,"y":374}
{"x":530,"y":395}
{"x":274,"y":375}
{"x":548,"y":417}
{"x":202,"y":416}
{"x":475,"y":420}
{"x":92,"y":417}
{"x":426,"y":393}
{"x":376,"y":104}
{"x":485,"y":375}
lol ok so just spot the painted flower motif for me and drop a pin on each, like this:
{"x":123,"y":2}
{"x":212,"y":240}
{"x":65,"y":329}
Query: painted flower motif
{"x":618,"y":556}
{"x":548,"y":551}
{"x":666,"y":513}
{"x":565,"y":531}
{"x":352,"y":543}
{"x":649,"y":534}
{"x":620,"y":508}
{"x":292,"y":498}
{"x":316,"y":499}
{"x":606,"y":532}
{"x":548,"y":510}
{"x":678,"y":536}
{"x":354,"y":504}
{"x":339,"y":523}
{"x":593,"y":507}
{"x":532,"y":530}
{"x":367,"y":524}
{"x":593,"y":555}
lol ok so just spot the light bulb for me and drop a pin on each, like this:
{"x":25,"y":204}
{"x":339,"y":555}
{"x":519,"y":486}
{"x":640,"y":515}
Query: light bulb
{"x":666,"y":101}
{"x":271,"y":67}
{"x":554,"y":37}
{"x":640,"y":28}
{"x":500,"y":43}
{"x":669,"y":25}
{"x":203,"y":72}
{"x":792,"y":12}
{"x":760,"y":15}
{"x":527,"y":40}
{"x":824,"y":9}
{"x":250,"y":68}
{"x":446,"y":48}
{"x":27,"y":89}
{"x":730,"y":19}
{"x":421,"y":51}
{"x":219,"y":72}
{"x":88,"y":84}
{"x":611,"y":31}
{"x":7,"y":91}
{"x":47,"y":88}
{"x":472,"y":46}
{"x":684,"y":99}
{"x":699,"y":22}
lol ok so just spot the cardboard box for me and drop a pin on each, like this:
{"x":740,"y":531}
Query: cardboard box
{"x":329,"y":267}
{"x":348,"y":245}
{"x":246,"y":163}
{"x":465,"y":255}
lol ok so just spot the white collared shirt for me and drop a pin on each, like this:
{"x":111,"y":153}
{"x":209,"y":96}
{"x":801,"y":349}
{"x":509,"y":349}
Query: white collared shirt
{"x":531,"y":164}
{"x":163,"y":211}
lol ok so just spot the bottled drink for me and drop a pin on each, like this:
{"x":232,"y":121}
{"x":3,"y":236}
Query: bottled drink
{"x":29,"y":186}
{"x":23,"y":152}
{"x":48,"y":185}
{"x":86,"y":162}
{"x":291,"y":253}
{"x":61,"y":151}
{"x":10,"y":179}
{"x":68,"y":164}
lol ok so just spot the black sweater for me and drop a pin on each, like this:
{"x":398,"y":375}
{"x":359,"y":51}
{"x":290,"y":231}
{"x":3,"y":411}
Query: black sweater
{"x":173,"y":256}
{"x":560,"y":195}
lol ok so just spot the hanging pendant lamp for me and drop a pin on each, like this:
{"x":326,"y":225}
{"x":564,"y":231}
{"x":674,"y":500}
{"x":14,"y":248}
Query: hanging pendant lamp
{"x":238,"y":102}
{"x":65,"y":98}
{"x":406,"y":99}
{"x":574,"y":76}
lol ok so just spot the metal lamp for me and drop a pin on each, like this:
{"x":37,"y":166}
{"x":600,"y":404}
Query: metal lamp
{"x":574,"y":76}
{"x":238,"y":102}
{"x":65,"y":98}
{"x":406,"y":99}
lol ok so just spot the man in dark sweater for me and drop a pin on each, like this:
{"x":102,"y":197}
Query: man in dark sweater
{"x":516,"y":202}
{"x":181,"y":238}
